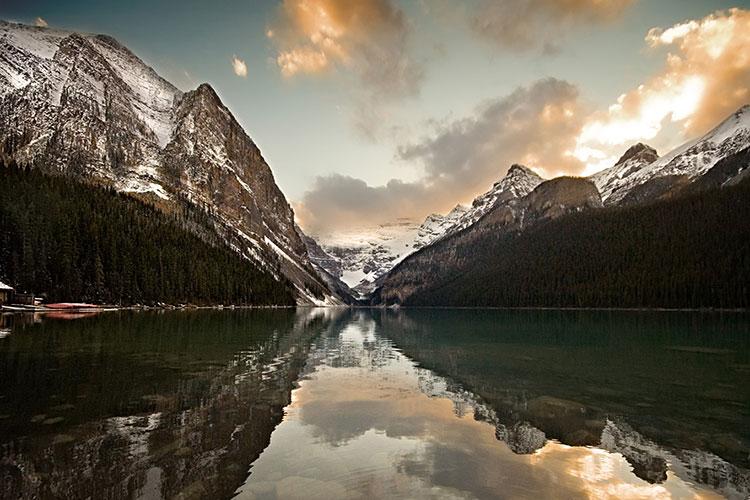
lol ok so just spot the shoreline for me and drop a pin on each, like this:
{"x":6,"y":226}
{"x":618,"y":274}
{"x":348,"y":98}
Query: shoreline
{"x":90,"y":308}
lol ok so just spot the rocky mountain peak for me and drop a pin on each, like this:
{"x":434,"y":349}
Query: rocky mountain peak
{"x":517,"y":182}
{"x":640,"y":163}
{"x":641,"y":152}
{"x":517,"y":173}
{"x":113,"y":44}
{"x":207,"y":91}
{"x":518,"y":169}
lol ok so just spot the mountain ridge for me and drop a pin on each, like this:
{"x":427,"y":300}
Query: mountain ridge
{"x":691,"y":248}
{"x":639,"y":175}
{"x":692,"y":159}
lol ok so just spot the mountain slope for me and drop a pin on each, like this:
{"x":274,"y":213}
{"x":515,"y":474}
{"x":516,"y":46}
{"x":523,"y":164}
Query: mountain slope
{"x":318,"y":256}
{"x":85,"y":106}
{"x":452,"y":256}
{"x":74,"y":242}
{"x":689,"y":251}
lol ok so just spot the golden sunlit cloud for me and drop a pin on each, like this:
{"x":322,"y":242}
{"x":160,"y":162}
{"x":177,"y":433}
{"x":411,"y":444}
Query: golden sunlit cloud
{"x":366,"y":36}
{"x":239,"y":67}
{"x":40,"y":22}
{"x":314,"y":31}
{"x":705,"y":78}
{"x":304,"y":60}
{"x":367,"y":39}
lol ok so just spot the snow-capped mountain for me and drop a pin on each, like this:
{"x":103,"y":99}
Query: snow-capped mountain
{"x":359,"y":258}
{"x":640,"y":164}
{"x":517,"y":183}
{"x":717,"y":159}
{"x":83,"y":105}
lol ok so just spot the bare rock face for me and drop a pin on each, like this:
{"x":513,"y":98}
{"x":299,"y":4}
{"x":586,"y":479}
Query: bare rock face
{"x":452,"y":254}
{"x":562,"y":195}
{"x":73,"y":112}
{"x":85,"y":106}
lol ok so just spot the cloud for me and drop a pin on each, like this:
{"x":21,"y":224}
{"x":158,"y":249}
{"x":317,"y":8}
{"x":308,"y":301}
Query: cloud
{"x":534,"y":24}
{"x":339,"y":202}
{"x":535,"y":125}
{"x":239,"y":67}
{"x":366,"y":39}
{"x":40,"y":22}
{"x":705,"y":77}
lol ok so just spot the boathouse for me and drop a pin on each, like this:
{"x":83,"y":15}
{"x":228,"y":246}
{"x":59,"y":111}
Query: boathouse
{"x":6,"y":293}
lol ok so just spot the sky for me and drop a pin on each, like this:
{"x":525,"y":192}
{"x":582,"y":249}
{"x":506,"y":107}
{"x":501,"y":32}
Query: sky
{"x":373,"y":110}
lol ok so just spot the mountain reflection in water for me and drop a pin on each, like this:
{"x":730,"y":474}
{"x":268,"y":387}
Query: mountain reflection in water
{"x":335,"y":403}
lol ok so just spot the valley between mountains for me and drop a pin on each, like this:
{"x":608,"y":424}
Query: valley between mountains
{"x":84,"y":108}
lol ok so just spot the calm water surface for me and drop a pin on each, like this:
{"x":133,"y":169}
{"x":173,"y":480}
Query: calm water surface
{"x":327,"y":403}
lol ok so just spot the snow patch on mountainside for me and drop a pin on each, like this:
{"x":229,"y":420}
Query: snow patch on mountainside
{"x":696,"y":157}
{"x":41,"y":42}
{"x":156,"y":97}
{"x":437,"y":225}
{"x":611,"y":181}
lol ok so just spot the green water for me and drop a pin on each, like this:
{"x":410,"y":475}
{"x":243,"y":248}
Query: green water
{"x":330,"y":403}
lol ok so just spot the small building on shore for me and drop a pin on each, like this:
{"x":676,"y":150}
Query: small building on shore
{"x":6,"y":293}
{"x":26,"y":299}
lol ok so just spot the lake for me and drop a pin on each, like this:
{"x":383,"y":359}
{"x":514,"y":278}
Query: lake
{"x":339,"y":403}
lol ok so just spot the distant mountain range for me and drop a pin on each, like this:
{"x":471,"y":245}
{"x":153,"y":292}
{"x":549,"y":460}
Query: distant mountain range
{"x":640,"y":175}
{"x":647,"y":232}
{"x":361,"y":259}
{"x":83,"y":105}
